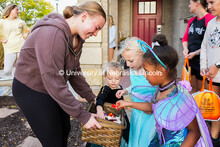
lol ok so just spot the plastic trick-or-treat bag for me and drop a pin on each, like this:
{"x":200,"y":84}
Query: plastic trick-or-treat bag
{"x":186,"y":71}
{"x":208,"y":102}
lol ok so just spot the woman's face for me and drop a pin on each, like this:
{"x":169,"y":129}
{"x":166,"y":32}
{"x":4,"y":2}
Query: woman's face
{"x":214,"y":7}
{"x":14,"y":12}
{"x":91,"y":25}
{"x":133,"y":59}
{"x":192,"y":6}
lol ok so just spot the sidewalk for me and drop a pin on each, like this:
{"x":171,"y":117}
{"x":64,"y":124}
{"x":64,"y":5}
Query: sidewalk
{"x":16,"y":132}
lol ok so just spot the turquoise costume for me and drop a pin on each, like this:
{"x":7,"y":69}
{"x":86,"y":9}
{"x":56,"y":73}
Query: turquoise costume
{"x":142,"y":125}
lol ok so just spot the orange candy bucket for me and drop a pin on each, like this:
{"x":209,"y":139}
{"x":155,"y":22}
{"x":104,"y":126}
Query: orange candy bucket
{"x":208,"y":102}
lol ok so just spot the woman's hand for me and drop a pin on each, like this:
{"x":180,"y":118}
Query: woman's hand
{"x":120,"y":93}
{"x":92,"y":123}
{"x":185,"y":53}
{"x":191,"y":55}
{"x":212,"y":71}
{"x":203,"y":72}
{"x":25,"y":35}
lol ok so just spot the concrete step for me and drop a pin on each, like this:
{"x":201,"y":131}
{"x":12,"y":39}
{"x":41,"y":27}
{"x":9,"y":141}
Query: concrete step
{"x":30,"y":142}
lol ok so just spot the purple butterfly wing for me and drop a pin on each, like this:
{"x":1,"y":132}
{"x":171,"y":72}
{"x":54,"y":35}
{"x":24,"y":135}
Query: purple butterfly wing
{"x":176,"y":112}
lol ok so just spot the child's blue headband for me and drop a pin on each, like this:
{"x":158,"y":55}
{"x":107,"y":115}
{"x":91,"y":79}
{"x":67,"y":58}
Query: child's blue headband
{"x":144,"y":46}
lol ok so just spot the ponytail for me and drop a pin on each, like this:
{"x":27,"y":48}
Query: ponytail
{"x":92,"y":8}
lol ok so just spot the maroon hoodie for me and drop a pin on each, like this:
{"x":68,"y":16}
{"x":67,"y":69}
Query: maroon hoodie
{"x":46,"y":53}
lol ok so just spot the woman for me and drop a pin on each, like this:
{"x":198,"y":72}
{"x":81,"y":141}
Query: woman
{"x":193,"y":37}
{"x":112,"y":35}
{"x":210,"y":60}
{"x":48,"y":59}
{"x":13,"y":32}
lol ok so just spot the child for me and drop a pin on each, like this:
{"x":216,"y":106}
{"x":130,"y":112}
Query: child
{"x":113,"y":74}
{"x":178,"y":119}
{"x":142,"y":125}
{"x":210,"y":59}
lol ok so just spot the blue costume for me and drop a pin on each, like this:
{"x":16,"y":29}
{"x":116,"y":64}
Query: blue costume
{"x":142,"y":125}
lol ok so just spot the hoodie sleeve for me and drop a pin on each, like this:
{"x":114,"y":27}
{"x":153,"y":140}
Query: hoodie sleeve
{"x":78,"y":81}
{"x":80,"y":85}
{"x":50,"y":53}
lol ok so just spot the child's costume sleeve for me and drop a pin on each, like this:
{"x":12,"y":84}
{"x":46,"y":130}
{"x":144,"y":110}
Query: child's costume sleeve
{"x":103,"y":93}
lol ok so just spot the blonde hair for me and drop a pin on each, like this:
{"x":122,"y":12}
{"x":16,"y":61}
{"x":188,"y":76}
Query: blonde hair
{"x":111,"y":21}
{"x":116,"y":66}
{"x":130,"y":44}
{"x":91,"y":7}
{"x":6,"y":12}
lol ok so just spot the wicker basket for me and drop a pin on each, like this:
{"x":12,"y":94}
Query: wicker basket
{"x":110,"y":133}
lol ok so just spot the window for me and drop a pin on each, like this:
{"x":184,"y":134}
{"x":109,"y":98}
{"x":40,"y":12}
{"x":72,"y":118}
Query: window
{"x":147,"y":7}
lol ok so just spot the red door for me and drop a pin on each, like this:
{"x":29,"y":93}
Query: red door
{"x":146,"y":18}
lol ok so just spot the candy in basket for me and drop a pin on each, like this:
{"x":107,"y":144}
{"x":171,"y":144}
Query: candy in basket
{"x":110,"y":133}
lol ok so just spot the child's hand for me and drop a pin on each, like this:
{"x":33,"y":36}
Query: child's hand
{"x":120,"y":93}
{"x":122,"y":103}
{"x":100,"y":112}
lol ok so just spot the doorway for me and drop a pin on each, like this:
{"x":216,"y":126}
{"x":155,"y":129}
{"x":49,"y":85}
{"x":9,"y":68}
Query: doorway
{"x":146,"y":19}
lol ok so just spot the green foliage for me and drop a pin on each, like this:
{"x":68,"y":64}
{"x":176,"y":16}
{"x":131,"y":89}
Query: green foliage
{"x":30,"y":10}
